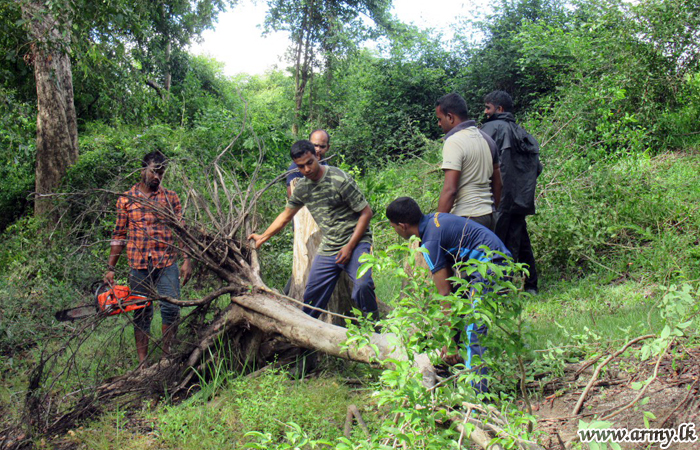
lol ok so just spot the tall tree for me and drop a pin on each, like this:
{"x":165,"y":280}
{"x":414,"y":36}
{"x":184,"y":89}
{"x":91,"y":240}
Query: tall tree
{"x":320,"y":29}
{"x":49,"y":28}
{"x":150,"y":30}
{"x":169,"y":27}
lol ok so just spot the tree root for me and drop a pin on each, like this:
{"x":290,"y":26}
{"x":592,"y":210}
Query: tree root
{"x":609,"y":415}
{"x":691,"y":391}
{"x":484,"y":428}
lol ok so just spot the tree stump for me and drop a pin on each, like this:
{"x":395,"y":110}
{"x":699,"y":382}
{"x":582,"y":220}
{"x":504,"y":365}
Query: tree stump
{"x":307,"y":238}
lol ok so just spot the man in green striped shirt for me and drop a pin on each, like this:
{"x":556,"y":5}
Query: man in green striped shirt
{"x":343,"y":215}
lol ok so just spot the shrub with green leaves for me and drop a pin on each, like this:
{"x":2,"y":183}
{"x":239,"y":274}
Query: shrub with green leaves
{"x":17,"y":156}
{"x":423,"y":322}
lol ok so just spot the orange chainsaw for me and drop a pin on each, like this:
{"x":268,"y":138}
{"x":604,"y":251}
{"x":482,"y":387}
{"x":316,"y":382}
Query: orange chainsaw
{"x":108,"y":302}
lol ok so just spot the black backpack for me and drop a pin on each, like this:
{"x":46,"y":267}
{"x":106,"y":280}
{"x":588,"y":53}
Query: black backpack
{"x":526,"y":143}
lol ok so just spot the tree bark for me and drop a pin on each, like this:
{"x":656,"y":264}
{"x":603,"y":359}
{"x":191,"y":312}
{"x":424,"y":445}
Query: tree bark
{"x":167,"y":70}
{"x":307,"y":238}
{"x":57,"y":128}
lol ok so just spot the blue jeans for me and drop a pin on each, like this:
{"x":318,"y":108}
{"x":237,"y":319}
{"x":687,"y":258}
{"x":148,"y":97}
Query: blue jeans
{"x":324,"y":275}
{"x":166,"y":282}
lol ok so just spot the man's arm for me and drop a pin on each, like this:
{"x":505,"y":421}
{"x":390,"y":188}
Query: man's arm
{"x":496,"y":185}
{"x":449,"y":191}
{"x":118,"y":241}
{"x":443,"y":285}
{"x":345,"y":253}
{"x":275,"y":227}
{"x":114,"y":252}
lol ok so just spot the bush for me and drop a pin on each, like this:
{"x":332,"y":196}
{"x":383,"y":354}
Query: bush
{"x":629,"y":215}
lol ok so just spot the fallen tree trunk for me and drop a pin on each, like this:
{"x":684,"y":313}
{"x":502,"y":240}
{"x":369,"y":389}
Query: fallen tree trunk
{"x":259,"y":310}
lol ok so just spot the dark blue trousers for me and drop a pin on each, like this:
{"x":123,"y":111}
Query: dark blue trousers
{"x":165,"y":281}
{"x":474,"y":348}
{"x":324,"y":275}
{"x":473,"y":332}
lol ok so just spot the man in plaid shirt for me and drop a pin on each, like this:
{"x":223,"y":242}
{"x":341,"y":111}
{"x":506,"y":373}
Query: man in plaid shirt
{"x":141,"y":228}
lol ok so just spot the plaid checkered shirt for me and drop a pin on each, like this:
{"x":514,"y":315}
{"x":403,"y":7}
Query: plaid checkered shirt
{"x":149,"y":238}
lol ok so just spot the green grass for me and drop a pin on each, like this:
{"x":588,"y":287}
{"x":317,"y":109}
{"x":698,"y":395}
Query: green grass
{"x":582,"y":310}
{"x":265,"y":404}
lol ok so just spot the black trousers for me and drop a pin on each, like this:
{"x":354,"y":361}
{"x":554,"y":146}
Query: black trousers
{"x":512,"y":230}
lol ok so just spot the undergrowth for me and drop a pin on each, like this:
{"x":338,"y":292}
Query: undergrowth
{"x":238,"y":406}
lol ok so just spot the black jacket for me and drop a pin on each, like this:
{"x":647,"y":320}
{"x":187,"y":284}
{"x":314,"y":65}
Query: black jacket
{"x":520,"y":163}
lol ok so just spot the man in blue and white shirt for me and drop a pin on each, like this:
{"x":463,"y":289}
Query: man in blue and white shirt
{"x":448,"y":239}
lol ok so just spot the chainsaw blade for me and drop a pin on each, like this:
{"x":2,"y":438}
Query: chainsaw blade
{"x":76,"y":313}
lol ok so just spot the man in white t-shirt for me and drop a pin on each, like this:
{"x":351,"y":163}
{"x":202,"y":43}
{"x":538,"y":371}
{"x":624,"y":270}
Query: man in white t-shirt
{"x":470,"y":159}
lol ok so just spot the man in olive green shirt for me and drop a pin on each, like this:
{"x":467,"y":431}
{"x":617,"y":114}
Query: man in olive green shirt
{"x":471,"y":163}
{"x":343,"y":215}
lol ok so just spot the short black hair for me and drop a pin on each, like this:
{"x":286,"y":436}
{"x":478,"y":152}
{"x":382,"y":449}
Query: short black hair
{"x":155,"y":157}
{"x":500,"y":98}
{"x":300,"y":148}
{"x":328,"y":136}
{"x":453,"y":104}
{"x":404,"y":210}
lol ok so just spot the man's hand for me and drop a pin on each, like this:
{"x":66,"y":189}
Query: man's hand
{"x":258,"y":238}
{"x":185,"y":272}
{"x":275,"y":227}
{"x":344,"y":255}
{"x":109,"y":278}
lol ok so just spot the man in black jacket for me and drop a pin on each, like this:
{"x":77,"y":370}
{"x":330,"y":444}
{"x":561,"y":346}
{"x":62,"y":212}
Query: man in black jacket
{"x":520,"y":167}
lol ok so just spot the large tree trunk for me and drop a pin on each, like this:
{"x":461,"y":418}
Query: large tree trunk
{"x":168,"y":71}
{"x":57,"y":129}
{"x":307,"y":238}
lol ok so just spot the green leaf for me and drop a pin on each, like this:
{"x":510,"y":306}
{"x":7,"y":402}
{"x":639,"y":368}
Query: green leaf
{"x":364,"y":269}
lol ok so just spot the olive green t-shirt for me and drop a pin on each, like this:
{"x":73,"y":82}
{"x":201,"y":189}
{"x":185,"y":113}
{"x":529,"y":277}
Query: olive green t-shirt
{"x":468,"y":152}
{"x":335,"y":203}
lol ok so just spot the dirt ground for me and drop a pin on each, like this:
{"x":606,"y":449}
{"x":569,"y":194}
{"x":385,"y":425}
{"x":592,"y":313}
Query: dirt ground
{"x":674,"y":398}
